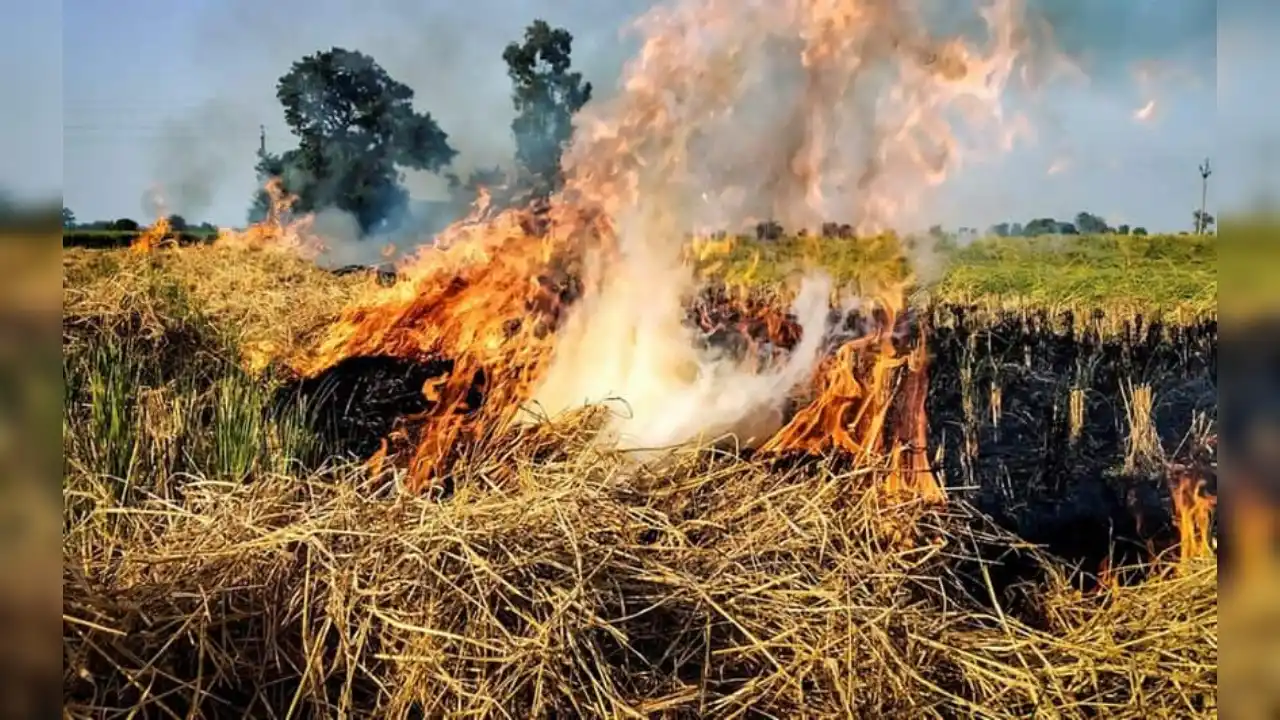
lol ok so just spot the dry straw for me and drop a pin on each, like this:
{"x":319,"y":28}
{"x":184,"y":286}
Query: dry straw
{"x":573,"y":587}
{"x":557,"y":581}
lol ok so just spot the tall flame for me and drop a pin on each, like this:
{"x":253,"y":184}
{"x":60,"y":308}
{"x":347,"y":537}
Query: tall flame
{"x":1193,"y":516}
{"x":154,"y":236}
{"x":794,"y":110}
{"x":279,"y":230}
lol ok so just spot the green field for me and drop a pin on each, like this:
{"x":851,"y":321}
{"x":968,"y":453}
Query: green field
{"x":1156,"y":273}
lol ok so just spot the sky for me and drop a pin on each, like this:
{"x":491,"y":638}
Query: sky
{"x":171,"y":95}
{"x":31,"y":122}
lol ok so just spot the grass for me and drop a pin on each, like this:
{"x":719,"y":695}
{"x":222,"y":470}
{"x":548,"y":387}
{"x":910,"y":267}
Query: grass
{"x":1159,"y":274}
{"x":215,"y":562}
{"x":1121,"y":273}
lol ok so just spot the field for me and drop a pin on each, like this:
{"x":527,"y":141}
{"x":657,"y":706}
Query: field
{"x":222,"y":558}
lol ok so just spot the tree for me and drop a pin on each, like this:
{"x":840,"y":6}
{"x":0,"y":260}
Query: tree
{"x":1067,"y":228}
{"x":356,"y":130}
{"x":546,"y":96}
{"x":177,"y":223}
{"x":1016,"y":230}
{"x":1123,"y":229}
{"x":1000,"y":229}
{"x":1203,"y":221}
{"x":1042,"y":226}
{"x":68,"y":218}
{"x":1090,"y":224}
{"x":465,"y":192}
{"x":1140,"y":231}
{"x":125,"y":225}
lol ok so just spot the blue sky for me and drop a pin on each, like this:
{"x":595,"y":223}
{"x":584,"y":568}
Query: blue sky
{"x":172,"y":94}
{"x":31,"y":122}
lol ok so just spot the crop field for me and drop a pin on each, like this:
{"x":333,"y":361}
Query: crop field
{"x":667,"y":413}
{"x":295,"y":492}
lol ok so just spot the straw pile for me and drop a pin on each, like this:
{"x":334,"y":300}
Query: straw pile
{"x":554,"y":581}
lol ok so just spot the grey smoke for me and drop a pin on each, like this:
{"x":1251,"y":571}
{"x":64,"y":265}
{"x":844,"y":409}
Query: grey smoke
{"x":450,"y":53}
{"x":199,"y":153}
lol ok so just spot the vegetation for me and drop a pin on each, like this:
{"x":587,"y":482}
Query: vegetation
{"x":218,"y":560}
{"x":225,"y":553}
{"x":546,"y":94}
{"x":1123,"y":273}
{"x":356,"y":128}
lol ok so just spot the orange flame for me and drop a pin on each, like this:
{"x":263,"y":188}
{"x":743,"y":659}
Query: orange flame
{"x":153,"y":237}
{"x":587,"y":298}
{"x":279,"y":231}
{"x":1193,"y":514}
{"x":157,"y":235}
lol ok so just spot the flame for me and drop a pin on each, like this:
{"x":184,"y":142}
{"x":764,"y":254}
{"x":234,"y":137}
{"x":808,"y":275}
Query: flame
{"x":1193,"y":514}
{"x":796,"y":110}
{"x":1150,"y":76}
{"x":153,"y":237}
{"x":279,"y":231}
{"x":158,"y":234}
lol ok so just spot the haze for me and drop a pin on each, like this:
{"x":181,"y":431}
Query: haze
{"x":158,"y":94}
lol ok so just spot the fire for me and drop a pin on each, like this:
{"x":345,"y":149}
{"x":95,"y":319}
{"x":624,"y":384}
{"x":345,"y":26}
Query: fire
{"x":797,"y":110}
{"x":153,"y":237}
{"x":158,"y":234}
{"x":280,"y":230}
{"x":1193,"y":514}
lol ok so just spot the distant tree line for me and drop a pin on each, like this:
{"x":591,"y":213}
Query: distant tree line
{"x":357,"y":132}
{"x":1085,"y":224}
{"x":177,"y":224}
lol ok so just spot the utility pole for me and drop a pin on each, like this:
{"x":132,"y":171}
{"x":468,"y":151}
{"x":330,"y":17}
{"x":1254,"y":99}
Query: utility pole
{"x":1205,"y":171}
{"x":262,"y":139}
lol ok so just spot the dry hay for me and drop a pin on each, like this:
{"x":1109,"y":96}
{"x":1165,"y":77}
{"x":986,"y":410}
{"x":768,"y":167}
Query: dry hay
{"x":557,"y":581}
{"x":568,"y":586}
{"x":264,"y":303}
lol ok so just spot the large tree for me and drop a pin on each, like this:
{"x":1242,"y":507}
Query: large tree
{"x":546,"y":95}
{"x":357,"y":130}
{"x":1042,"y":226}
{"x":1090,"y":224}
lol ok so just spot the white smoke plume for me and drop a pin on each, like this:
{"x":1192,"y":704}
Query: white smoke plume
{"x":873,"y":115}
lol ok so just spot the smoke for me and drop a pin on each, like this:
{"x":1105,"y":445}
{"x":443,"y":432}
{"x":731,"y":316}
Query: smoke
{"x":450,"y":54}
{"x":792,"y":108}
{"x":198,"y":154}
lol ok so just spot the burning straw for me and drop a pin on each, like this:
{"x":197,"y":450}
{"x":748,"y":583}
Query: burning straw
{"x":564,"y":579}
{"x":585,"y":301}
